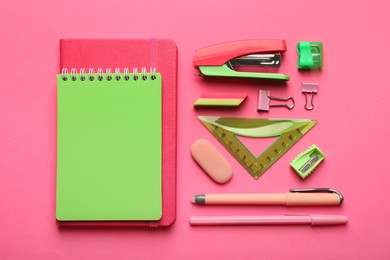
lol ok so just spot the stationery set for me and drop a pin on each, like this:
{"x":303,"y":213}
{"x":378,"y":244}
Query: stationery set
{"x":117,"y":128}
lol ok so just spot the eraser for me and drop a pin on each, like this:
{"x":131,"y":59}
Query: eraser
{"x":221,"y":99}
{"x":211,"y":161}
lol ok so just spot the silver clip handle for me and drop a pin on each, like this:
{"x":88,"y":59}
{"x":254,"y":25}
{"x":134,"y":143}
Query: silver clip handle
{"x":311,"y":107}
{"x":283,"y":99}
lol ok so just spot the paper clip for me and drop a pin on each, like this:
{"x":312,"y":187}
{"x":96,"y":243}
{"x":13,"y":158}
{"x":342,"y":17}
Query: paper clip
{"x":307,"y":89}
{"x":265,"y":98}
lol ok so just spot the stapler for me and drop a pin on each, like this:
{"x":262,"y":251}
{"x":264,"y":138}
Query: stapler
{"x":222,"y":59}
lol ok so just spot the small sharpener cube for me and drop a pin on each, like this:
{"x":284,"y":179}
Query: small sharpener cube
{"x":305,"y":163}
{"x":310,"y":55}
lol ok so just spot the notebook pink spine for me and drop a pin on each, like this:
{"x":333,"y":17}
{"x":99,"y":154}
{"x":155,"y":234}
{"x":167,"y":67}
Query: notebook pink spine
{"x":129,"y":53}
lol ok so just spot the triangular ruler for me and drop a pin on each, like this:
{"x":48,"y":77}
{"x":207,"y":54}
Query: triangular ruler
{"x":225,"y":130}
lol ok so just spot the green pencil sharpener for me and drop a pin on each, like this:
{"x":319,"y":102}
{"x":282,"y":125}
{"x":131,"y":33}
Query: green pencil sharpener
{"x":310,"y":55}
{"x":305,"y":163}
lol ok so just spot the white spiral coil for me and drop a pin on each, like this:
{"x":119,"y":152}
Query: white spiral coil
{"x":108,"y":75}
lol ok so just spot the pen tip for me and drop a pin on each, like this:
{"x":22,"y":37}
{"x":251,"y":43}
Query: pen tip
{"x":193,"y":199}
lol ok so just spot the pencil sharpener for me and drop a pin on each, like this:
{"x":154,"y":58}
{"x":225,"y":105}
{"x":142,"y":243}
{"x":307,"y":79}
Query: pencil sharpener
{"x":305,"y":163}
{"x":310,"y":55}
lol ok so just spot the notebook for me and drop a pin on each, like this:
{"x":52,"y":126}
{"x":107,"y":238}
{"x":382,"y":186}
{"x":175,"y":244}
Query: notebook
{"x":116,"y":154}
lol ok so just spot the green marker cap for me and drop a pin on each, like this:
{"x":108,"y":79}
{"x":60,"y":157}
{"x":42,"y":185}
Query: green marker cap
{"x":310,"y":55}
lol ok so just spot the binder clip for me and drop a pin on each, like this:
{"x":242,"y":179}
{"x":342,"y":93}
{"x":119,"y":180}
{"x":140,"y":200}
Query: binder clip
{"x":222,"y":59}
{"x":309,"y":89}
{"x":265,"y":98}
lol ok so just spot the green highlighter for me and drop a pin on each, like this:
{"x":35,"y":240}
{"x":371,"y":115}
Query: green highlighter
{"x":305,"y":163}
{"x":310,"y":55}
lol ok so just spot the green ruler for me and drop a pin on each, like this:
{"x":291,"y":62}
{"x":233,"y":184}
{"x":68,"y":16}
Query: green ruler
{"x":225,"y":130}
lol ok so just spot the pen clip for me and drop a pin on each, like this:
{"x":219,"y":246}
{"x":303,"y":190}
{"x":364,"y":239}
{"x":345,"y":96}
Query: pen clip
{"x":330,"y":190}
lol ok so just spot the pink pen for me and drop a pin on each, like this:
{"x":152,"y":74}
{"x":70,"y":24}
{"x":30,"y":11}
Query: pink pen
{"x":288,"y":219}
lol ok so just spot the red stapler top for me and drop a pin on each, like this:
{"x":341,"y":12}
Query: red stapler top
{"x":219,"y":54}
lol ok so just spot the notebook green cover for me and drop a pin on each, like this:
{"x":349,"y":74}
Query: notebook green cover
{"x":109,"y":148}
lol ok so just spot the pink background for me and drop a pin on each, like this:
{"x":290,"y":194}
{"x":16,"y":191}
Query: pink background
{"x":351,"y":108}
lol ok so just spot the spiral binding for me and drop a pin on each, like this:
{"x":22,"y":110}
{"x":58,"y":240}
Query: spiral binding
{"x":82,"y":75}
